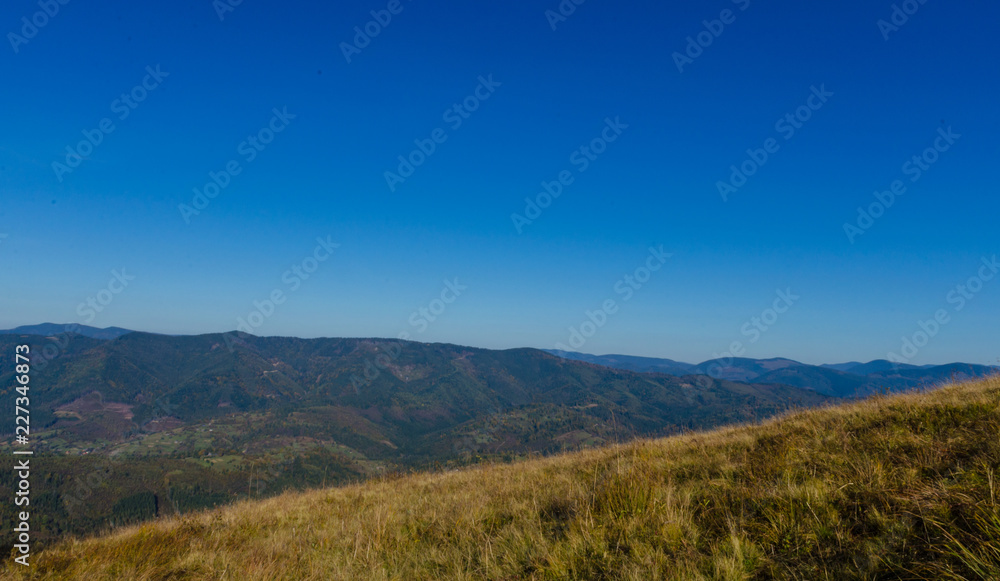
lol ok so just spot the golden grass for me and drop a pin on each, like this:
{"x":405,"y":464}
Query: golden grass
{"x":898,"y":487}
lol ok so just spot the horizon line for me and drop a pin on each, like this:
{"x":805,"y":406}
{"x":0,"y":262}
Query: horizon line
{"x":545,"y":350}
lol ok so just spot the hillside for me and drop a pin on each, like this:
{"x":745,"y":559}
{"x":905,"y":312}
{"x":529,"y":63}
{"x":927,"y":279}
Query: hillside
{"x":420,"y":397}
{"x":898,"y":487}
{"x":166,"y":425}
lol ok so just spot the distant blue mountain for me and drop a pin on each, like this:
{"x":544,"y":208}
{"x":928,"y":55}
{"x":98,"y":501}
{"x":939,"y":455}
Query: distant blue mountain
{"x":50,"y":329}
{"x":853,"y":379}
{"x":845,"y":367}
{"x":631,"y":363}
{"x":742,"y":368}
{"x":880,"y":366}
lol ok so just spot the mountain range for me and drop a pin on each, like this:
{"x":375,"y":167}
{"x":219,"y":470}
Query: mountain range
{"x":133,"y":425}
{"x":852,"y":379}
{"x":144,"y":425}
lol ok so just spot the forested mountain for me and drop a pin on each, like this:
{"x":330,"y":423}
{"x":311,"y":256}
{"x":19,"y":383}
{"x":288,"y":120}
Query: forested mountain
{"x":162,"y":424}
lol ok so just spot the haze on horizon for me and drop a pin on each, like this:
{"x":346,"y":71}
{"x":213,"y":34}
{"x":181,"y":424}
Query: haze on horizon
{"x":496,"y":176}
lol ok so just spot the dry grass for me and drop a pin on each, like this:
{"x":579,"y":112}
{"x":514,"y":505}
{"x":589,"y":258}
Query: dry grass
{"x":901,"y":487}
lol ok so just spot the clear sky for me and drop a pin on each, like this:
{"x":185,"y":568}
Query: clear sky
{"x":668,"y":127}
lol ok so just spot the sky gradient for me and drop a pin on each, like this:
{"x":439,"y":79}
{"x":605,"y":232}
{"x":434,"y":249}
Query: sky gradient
{"x":507,"y":104}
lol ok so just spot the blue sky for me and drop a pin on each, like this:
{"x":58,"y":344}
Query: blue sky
{"x":889,"y":95}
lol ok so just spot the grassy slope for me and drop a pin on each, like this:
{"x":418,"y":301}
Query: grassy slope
{"x":901,"y":487}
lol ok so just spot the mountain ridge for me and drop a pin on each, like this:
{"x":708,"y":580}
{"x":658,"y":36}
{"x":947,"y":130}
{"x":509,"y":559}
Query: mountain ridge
{"x":639,"y":364}
{"x":193,"y":419}
{"x":852,"y":379}
{"x":51,"y":329}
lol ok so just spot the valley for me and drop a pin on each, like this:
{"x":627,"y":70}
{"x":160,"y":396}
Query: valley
{"x":144,"y":425}
{"x":893,"y":487}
